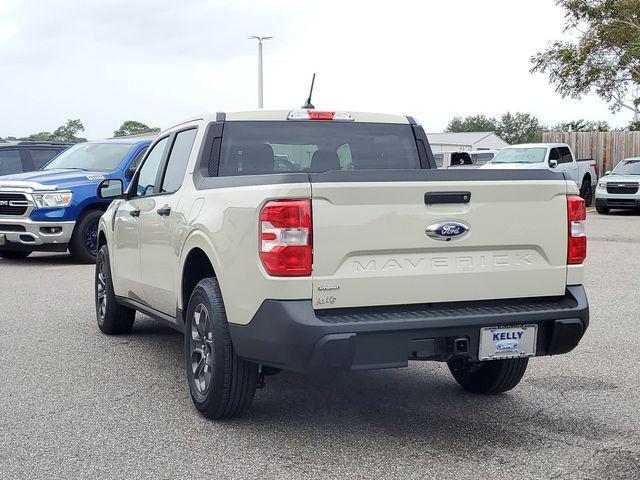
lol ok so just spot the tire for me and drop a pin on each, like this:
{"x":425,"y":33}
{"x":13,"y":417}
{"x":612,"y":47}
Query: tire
{"x":602,"y":210}
{"x":14,"y":254}
{"x":112,"y":318}
{"x":221,"y":384}
{"x":586,"y":192}
{"x":84,"y":241}
{"x":489,"y":378}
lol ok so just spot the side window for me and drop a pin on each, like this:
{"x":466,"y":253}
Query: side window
{"x":136,"y":161}
{"x":41,"y":156}
{"x":554,"y":155}
{"x":481,"y":158}
{"x":344,"y":157}
{"x":565,"y":155}
{"x":178,"y":159}
{"x":149,"y":171}
{"x":10,"y":162}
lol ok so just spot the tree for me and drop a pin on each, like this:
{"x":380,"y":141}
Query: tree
{"x":474,"y":123}
{"x":519,"y":128}
{"x":582,"y":126}
{"x":64,"y":133}
{"x":634,"y":126}
{"x":67,"y":132}
{"x":605,"y":58}
{"x":132,"y":127}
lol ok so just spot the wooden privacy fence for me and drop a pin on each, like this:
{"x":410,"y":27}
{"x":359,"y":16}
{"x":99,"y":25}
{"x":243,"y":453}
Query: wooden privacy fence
{"x":606,"y":148}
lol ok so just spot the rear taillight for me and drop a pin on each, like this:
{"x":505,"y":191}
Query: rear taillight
{"x":577,"y":243}
{"x":285,"y":238}
{"x":596,"y":167}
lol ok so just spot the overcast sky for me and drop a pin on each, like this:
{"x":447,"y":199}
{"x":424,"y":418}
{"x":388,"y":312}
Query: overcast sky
{"x":160,"y":61}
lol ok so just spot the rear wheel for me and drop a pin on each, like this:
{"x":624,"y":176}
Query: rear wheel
{"x":14,"y":254}
{"x":84,"y":241}
{"x":221,"y":384}
{"x":602,"y":209}
{"x":489,"y":378}
{"x":113,"y":318}
{"x":586,"y":192}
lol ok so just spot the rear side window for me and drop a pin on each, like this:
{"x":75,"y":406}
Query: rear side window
{"x":178,"y":159}
{"x":10,"y":162}
{"x":460,"y":158}
{"x":254,"y":148}
{"x":40,"y":156}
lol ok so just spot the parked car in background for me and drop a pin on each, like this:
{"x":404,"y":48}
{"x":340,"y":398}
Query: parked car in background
{"x":620,"y":188}
{"x":20,"y":157}
{"x":471,"y":159}
{"x":57,"y":208}
{"x":307,"y":240}
{"x":552,"y":156}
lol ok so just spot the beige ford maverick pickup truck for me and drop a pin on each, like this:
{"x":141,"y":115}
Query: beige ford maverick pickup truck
{"x":307,"y":240}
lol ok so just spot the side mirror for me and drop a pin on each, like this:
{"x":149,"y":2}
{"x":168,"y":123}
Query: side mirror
{"x":608,"y":172}
{"x":110,"y":188}
{"x":553,"y":163}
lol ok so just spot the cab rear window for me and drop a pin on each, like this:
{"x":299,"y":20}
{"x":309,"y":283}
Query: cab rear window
{"x":255,"y":148}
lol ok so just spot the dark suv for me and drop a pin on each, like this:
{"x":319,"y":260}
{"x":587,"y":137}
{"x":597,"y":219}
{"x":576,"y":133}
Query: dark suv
{"x":28,"y":156}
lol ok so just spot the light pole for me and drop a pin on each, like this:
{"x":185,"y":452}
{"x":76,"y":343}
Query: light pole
{"x":260,"y":39}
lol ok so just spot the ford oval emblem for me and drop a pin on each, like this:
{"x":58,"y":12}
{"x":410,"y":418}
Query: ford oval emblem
{"x":446,"y":231}
{"x":507,"y":345}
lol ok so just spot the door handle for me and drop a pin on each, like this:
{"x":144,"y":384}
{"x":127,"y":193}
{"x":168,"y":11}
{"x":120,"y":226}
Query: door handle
{"x":431,"y":198}
{"x":164,"y":211}
{"x":134,"y":213}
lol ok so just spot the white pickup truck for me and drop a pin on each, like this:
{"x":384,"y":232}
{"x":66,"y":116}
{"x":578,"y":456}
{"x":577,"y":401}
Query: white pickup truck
{"x":552,"y":156}
{"x":306,"y":240}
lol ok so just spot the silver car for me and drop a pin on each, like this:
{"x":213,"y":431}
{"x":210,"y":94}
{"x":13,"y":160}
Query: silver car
{"x":619,"y":188}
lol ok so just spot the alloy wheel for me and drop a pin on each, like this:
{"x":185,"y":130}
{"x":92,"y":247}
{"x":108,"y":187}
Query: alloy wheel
{"x":91,"y":238}
{"x":201,"y":349}
{"x":101,"y":286}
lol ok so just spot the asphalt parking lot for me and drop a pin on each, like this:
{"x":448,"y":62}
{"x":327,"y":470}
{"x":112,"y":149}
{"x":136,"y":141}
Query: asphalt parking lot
{"x":77,"y":404}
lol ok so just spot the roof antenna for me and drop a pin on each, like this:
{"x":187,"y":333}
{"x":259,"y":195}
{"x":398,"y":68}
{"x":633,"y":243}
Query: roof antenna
{"x":309,"y":105}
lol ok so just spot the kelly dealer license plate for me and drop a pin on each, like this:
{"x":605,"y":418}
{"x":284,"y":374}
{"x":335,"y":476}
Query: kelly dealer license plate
{"x":507,"y":342}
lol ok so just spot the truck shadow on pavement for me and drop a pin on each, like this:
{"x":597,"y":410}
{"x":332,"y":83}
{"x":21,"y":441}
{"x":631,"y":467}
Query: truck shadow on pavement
{"x":43,"y":260}
{"x":421,"y":404}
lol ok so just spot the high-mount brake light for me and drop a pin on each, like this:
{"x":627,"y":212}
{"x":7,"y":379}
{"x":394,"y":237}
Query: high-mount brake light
{"x":285,"y":238}
{"x":319,"y":115}
{"x":577,"y":238}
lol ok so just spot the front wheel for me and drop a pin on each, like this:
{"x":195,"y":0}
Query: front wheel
{"x":586,"y":192}
{"x":84,"y":241}
{"x":14,"y":254}
{"x":112,"y":318}
{"x":488,"y":378}
{"x":221,"y":384}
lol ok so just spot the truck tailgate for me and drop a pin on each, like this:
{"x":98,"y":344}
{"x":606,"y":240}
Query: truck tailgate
{"x":371,"y":246}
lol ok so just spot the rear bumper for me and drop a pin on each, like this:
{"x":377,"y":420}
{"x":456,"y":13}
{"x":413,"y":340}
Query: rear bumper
{"x":291,"y":335}
{"x":25,"y":234}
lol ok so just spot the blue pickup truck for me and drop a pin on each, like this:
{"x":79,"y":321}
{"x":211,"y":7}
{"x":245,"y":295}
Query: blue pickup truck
{"x":56,"y":209}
